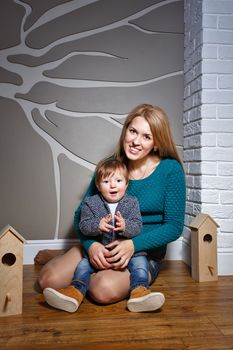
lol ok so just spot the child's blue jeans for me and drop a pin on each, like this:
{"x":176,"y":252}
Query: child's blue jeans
{"x":139,"y":268}
{"x":82,"y":275}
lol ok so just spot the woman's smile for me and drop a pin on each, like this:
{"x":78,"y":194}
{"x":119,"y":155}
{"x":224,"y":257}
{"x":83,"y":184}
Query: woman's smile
{"x":133,"y":149}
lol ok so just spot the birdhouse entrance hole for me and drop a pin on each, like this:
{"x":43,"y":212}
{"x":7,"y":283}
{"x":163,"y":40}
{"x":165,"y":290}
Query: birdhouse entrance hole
{"x":207,"y":238}
{"x":9,"y":259}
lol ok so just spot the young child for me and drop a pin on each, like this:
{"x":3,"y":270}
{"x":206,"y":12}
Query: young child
{"x":109,"y":215}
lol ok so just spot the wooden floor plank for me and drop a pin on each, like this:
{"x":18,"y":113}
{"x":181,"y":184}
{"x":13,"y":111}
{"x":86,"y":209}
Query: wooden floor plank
{"x":195,"y":316}
{"x":208,"y":343}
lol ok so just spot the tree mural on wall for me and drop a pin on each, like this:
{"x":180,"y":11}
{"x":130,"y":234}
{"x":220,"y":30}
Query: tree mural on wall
{"x":70,"y":72}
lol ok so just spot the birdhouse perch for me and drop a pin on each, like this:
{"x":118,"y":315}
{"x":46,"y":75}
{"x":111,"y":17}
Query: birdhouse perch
{"x":11,"y":271}
{"x":204,"y":248}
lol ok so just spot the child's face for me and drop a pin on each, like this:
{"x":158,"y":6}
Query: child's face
{"x":113,"y":187}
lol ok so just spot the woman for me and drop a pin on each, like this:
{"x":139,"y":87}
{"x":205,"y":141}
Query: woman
{"x":157,"y":179}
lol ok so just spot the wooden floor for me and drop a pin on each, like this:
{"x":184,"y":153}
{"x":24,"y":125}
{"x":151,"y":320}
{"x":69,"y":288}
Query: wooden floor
{"x":195,"y":316}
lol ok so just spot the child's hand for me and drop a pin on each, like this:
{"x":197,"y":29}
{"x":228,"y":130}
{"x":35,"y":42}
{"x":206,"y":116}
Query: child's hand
{"x":119,"y":222}
{"x":104,"y":223}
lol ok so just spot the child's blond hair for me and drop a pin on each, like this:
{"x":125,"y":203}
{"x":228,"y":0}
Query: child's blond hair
{"x":107,"y":168}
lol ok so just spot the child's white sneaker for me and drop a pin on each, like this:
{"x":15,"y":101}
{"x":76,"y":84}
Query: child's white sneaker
{"x":142,"y":300}
{"x":66,"y":299}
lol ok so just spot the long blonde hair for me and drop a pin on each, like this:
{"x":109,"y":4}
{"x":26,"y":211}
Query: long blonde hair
{"x":160,"y":128}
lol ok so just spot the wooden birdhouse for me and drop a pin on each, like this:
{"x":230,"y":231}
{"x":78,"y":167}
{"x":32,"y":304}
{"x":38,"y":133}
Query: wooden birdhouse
{"x":204,"y":248}
{"x":11,"y":271}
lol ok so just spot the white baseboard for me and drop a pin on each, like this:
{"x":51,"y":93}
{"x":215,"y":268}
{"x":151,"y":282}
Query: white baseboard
{"x":174,"y":250}
{"x":186,"y":251}
{"x":225,"y":261}
{"x":178,"y":250}
{"x":32,"y":247}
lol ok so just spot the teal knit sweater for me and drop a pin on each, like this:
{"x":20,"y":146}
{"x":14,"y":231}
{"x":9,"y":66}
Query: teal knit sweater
{"x":161,"y":198}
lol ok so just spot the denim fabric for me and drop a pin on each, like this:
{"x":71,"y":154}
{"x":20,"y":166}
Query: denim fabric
{"x":154,"y":269}
{"x":82,"y":275}
{"x":138,"y":267}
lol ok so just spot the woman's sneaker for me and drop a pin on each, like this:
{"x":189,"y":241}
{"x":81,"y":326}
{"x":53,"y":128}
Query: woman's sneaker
{"x":66,"y":299}
{"x":142,"y":300}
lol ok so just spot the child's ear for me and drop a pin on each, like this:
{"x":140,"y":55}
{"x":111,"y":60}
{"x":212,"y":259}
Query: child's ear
{"x":97,"y":186}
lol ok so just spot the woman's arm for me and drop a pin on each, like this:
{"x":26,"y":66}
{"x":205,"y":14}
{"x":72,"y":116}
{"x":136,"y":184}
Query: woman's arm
{"x":156,"y":236}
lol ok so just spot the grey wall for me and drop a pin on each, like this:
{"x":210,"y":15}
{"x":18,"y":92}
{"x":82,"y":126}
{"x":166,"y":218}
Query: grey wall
{"x":70,"y":72}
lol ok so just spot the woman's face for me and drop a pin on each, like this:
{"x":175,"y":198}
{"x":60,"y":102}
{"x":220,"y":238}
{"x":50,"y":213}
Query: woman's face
{"x":138,"y":142}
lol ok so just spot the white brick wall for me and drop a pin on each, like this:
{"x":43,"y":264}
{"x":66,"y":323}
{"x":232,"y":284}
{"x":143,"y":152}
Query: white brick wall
{"x":192,"y":107}
{"x":208,"y":116}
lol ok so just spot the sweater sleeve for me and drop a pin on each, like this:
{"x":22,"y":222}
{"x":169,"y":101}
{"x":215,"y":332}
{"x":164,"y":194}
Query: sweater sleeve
{"x":156,"y":237}
{"x":85,"y":240}
{"x":89,"y":222}
{"x":133,"y":219}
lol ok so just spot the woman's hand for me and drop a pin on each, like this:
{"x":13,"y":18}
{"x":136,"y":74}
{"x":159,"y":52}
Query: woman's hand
{"x":97,"y":255}
{"x":121,"y":251}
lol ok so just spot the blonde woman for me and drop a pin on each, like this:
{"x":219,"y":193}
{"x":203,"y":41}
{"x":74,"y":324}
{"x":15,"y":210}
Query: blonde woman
{"x":157,"y":179}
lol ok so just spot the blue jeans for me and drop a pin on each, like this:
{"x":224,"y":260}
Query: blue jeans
{"x":154,"y":268}
{"x":82,"y":275}
{"x":139,"y":267}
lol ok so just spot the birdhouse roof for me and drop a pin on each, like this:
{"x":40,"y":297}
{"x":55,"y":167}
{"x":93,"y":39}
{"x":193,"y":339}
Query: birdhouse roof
{"x":200,"y":219}
{"x":10,"y":229}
